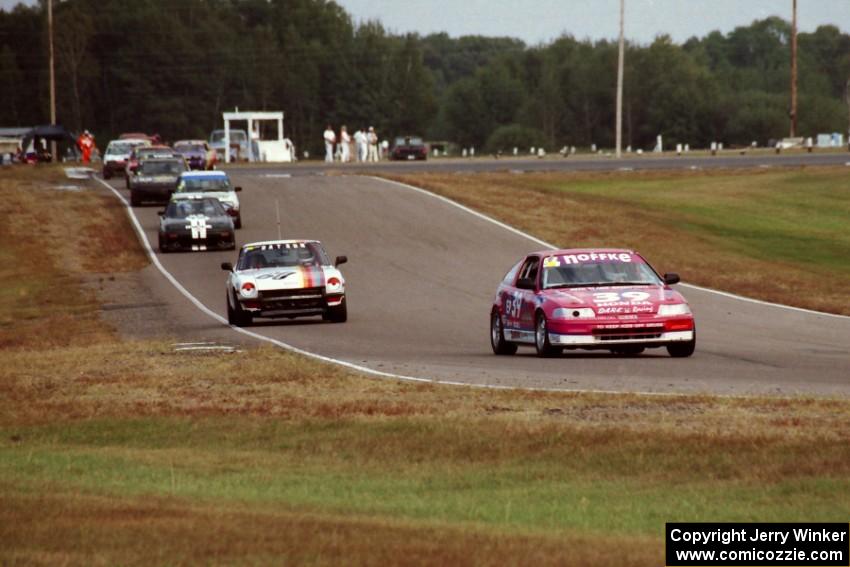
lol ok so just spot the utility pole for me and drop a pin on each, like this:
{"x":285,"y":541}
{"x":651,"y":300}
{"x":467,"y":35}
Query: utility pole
{"x":52,"y":76}
{"x":793,"y":111}
{"x":620,"y":82}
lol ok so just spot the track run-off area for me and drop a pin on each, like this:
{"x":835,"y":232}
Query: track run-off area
{"x":421,"y":276}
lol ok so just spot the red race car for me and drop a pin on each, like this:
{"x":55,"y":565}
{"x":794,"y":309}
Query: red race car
{"x":590,"y":299}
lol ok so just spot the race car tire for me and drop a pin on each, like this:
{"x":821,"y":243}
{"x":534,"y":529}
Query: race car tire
{"x":161,"y":246}
{"x":135,"y":200}
{"x":497,"y":336}
{"x":238,"y":222}
{"x":237,"y":317}
{"x":338,"y":314}
{"x":628,"y":350}
{"x":683,"y":350}
{"x":107,"y":174}
{"x":541,"y":338}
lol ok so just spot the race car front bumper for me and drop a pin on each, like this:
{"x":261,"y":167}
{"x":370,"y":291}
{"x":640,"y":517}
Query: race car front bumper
{"x":608,"y":340}
{"x":184,"y":241}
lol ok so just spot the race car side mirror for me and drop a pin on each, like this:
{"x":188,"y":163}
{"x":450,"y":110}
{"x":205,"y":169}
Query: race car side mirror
{"x":227,"y":266}
{"x":340,"y":260}
{"x":237,"y":189}
{"x":671,"y":278}
{"x":525,"y":283}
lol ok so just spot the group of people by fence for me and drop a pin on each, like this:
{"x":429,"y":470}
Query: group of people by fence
{"x":366,"y":145}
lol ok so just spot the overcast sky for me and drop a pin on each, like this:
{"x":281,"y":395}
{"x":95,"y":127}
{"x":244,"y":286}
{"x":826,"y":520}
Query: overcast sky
{"x":536,"y":21}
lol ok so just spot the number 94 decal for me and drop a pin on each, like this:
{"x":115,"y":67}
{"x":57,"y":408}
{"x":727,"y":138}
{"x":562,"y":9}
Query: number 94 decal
{"x":613,"y":296}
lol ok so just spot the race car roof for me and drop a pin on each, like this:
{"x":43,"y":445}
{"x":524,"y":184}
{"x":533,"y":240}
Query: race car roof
{"x":567,"y":251}
{"x":201,"y":174}
{"x":277,"y":242}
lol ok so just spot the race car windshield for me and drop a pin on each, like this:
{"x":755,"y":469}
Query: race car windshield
{"x":189,"y":147}
{"x":188,"y":207}
{"x":591,"y":274}
{"x":161,"y":168}
{"x":280,"y":256}
{"x":204,"y":184}
{"x":120,"y":148}
{"x":411,"y":141}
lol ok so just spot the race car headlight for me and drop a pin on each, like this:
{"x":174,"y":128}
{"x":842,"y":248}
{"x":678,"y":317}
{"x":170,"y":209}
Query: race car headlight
{"x":248,"y":290}
{"x":334,"y":285}
{"x":577,"y":313}
{"x":674,"y":309}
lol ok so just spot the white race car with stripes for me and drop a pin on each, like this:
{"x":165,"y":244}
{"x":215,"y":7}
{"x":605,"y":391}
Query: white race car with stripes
{"x":285,"y":279}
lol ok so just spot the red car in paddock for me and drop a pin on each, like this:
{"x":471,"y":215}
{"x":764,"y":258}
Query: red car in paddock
{"x":595,"y":299}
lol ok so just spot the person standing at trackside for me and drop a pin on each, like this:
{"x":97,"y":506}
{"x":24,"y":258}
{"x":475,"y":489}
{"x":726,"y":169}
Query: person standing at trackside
{"x":361,"y":144}
{"x":372,"y":138}
{"x":330,"y":140}
{"x":345,"y":143}
{"x":86,"y":145}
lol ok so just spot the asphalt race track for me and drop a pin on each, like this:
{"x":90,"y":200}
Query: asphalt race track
{"x":420,"y":279}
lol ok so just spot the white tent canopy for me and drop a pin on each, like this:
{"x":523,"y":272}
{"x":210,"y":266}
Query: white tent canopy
{"x":280,"y":149}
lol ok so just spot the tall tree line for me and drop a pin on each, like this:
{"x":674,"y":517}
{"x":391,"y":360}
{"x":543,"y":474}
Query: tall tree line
{"x":173,"y":66}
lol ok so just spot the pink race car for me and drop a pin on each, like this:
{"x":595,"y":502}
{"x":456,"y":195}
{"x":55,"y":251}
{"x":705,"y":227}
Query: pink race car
{"x":590,"y":299}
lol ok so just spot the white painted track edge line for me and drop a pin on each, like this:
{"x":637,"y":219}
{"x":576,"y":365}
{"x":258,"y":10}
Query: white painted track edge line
{"x":553,"y":247}
{"x":140,"y":232}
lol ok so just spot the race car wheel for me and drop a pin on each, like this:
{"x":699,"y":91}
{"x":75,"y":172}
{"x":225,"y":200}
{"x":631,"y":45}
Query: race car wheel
{"x":237,"y":316}
{"x":497,"y":336}
{"x":238,"y":222}
{"x":107,"y":174}
{"x":338,"y":314}
{"x":135,"y":200}
{"x":541,"y":338}
{"x":628,"y":350}
{"x":683,"y":350}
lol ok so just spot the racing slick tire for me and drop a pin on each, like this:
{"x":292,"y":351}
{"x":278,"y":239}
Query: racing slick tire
{"x":541,"y":338}
{"x":237,"y":317}
{"x":338,"y":314}
{"x":238,"y":222}
{"x":683,"y":350}
{"x":497,"y":336}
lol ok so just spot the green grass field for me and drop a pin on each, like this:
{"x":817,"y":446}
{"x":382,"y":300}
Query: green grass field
{"x":782,"y":235}
{"x":127,"y":452}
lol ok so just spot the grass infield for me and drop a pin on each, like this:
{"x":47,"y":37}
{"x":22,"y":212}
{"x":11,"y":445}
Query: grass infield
{"x":127,"y":452}
{"x":780,"y":235}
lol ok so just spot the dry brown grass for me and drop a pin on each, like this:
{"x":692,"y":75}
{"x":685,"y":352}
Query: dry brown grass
{"x":106,"y":531}
{"x":566,"y":219}
{"x":52,"y":240}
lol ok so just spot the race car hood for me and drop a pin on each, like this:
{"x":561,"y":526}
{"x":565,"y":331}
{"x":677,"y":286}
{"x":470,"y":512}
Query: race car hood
{"x":228,"y":198}
{"x":156,"y":180}
{"x":296,"y":277}
{"x":626,"y":299}
{"x":174,"y":224}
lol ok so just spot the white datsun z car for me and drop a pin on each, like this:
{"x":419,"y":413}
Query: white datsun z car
{"x":285,"y":278}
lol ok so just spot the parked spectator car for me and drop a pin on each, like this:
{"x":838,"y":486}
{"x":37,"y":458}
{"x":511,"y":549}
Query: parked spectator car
{"x":409,"y":147}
